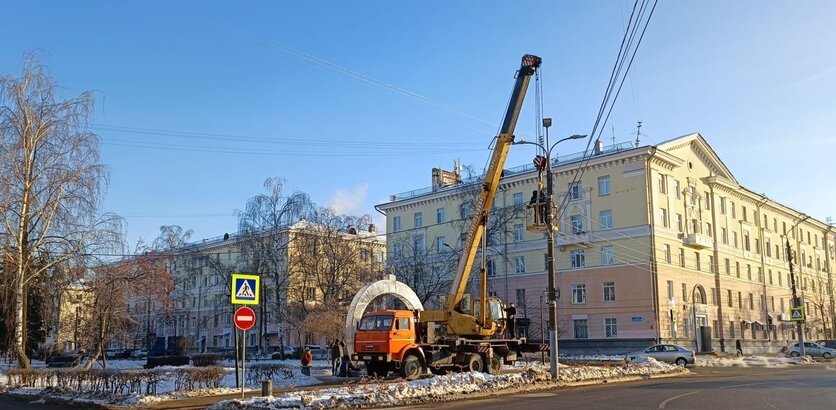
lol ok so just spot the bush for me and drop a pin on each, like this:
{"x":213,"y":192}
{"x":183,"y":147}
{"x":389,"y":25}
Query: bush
{"x":206,"y":359}
{"x":166,"y":361}
{"x":198,"y":377}
{"x":268,"y":371}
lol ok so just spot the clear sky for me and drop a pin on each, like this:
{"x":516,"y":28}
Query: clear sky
{"x":199,"y":102}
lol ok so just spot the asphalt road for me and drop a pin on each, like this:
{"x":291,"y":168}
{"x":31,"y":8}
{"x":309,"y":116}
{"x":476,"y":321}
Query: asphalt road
{"x":796,"y":387}
{"x":7,"y":403}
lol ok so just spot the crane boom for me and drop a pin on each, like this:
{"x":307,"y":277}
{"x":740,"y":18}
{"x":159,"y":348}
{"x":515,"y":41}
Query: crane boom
{"x":530,"y":63}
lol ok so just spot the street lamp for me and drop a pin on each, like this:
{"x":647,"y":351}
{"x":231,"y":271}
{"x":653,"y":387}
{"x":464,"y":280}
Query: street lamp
{"x":796,"y":302}
{"x":547,"y":122}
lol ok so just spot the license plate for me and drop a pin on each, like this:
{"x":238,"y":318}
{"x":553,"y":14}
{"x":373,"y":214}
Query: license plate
{"x":367,"y":358}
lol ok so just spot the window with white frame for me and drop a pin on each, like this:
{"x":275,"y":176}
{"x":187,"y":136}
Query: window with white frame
{"x":578,"y":293}
{"x":518,"y":199}
{"x":418,"y":243}
{"x":397,"y":250}
{"x":663,"y":217}
{"x":575,"y":191}
{"x":605,"y":219}
{"x":518,"y":232}
{"x":491,"y":267}
{"x":577,"y":224}
{"x":723,"y":205}
{"x":464,"y":211}
{"x":610,"y":327}
{"x":578,"y":258}
{"x":679,"y":223}
{"x":607,"y":255}
{"x":419,"y":219}
{"x":519,"y":264}
{"x":678,"y":189}
{"x":604,"y":185}
{"x":440,"y":216}
{"x":667,"y":250}
{"x":396,"y":224}
{"x":609,"y":291}
{"x":439,"y":241}
{"x":663,"y":183}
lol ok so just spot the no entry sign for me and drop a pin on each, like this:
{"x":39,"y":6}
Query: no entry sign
{"x":244,"y":318}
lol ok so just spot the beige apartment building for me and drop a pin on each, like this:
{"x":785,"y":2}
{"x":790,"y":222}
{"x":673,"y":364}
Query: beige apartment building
{"x":200,"y":316}
{"x":656,"y":243}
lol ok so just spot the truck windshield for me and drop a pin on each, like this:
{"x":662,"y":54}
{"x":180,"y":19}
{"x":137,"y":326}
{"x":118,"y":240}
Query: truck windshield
{"x":376,"y":323}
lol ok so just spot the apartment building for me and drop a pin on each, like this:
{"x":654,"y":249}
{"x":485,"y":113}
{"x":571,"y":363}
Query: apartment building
{"x":295,"y":268}
{"x":655,"y":243}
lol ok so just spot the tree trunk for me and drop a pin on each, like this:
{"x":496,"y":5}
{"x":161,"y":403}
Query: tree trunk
{"x":20,"y":323}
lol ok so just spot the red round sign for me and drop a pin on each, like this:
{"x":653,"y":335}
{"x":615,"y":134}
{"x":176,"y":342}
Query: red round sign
{"x":244,"y":318}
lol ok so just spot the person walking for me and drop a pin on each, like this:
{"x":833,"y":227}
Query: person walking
{"x":336,"y":354}
{"x":511,"y":319}
{"x":739,"y":348}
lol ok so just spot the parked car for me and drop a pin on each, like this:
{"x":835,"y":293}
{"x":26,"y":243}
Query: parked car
{"x":65,"y":360}
{"x":665,"y":353}
{"x":289,"y":353}
{"x":812,"y":349}
{"x":827,"y":343}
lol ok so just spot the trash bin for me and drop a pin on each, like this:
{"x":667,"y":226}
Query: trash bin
{"x":266,"y":387}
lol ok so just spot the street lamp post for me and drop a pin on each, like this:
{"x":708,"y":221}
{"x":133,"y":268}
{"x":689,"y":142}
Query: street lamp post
{"x":796,"y":302}
{"x":550,"y":265}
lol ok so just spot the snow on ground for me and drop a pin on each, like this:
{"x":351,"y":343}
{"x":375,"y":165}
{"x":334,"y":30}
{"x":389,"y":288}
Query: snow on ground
{"x":746,"y":361}
{"x":443,"y":387}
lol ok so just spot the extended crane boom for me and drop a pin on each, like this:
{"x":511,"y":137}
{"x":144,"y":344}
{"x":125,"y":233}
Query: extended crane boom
{"x":530,"y":63}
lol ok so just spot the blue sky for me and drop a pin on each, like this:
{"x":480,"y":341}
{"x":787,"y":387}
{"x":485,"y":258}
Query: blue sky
{"x":354,"y":101}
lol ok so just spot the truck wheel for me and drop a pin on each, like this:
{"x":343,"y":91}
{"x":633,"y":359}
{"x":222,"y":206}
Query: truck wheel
{"x":496,"y":364}
{"x":411,"y":367}
{"x":475,"y":363}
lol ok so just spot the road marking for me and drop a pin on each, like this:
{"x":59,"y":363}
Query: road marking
{"x":665,"y":403}
{"x":536,"y":395}
{"x":749,"y":384}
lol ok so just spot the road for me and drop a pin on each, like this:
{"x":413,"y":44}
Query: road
{"x":7,"y":403}
{"x":796,"y":387}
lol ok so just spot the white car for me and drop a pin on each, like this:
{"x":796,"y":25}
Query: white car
{"x":813,"y":349}
{"x":665,"y":353}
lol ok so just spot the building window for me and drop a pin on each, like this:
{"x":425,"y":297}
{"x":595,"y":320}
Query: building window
{"x":667,"y":250}
{"x":724,"y":236}
{"x":604,"y":185}
{"x":578,"y":293}
{"x":418,"y":243}
{"x":707,"y":201}
{"x":518,"y":198}
{"x":577,"y":224}
{"x":578,"y":258}
{"x":731,"y":208}
{"x":439,"y":241}
{"x":670,"y":289}
{"x":737,"y":268}
{"x":610,"y":327}
{"x":607,"y":257}
{"x":419,"y":219}
{"x":679,"y":223}
{"x":518,"y":232}
{"x":697,"y":261}
{"x":684,"y":292}
{"x":734,"y":238}
{"x":310,"y":293}
{"x":748,"y":271}
{"x":751,"y":302}
{"x":519,"y":264}
{"x":491,"y":267}
{"x":729,"y":298}
{"x":440,"y":216}
{"x":708,"y":230}
{"x":464,"y":211}
{"x":663,"y":184}
{"x":728,"y":266}
{"x":397,"y":250}
{"x":580,"y":329}
{"x":723,"y":205}
{"x":605,"y":218}
{"x":677,"y":188}
{"x":609,"y":291}
{"x":575,"y":191}
{"x":711,"y":267}
{"x":521,"y":301}
{"x":396,"y":224}
{"x":682,"y":257}
{"x":663,"y":217}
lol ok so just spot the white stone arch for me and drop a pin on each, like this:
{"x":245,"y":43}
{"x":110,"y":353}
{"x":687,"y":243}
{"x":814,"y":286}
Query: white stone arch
{"x":383,"y":287}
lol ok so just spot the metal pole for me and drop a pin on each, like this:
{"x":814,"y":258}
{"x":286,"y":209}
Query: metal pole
{"x":243,"y":361}
{"x":796,"y":302}
{"x":542,"y":329}
{"x":551,"y":268}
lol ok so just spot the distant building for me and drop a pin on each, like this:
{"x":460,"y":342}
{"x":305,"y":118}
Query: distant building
{"x":200,"y":319}
{"x":655,"y":242}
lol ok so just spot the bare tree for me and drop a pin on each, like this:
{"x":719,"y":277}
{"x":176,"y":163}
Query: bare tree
{"x":51,"y":182}
{"x":263,"y":240}
{"x":426,"y":269}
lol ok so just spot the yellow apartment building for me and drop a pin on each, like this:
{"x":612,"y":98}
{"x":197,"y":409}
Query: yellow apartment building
{"x":656,"y":244}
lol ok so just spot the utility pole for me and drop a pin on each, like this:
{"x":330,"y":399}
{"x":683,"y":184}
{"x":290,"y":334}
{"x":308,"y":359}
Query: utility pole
{"x":796,"y":302}
{"x":547,"y":122}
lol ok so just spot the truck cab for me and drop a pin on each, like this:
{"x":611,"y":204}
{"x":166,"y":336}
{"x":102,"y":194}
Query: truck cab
{"x":384,"y":339}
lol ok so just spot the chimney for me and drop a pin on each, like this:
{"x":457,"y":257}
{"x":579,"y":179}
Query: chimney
{"x":372,"y":228}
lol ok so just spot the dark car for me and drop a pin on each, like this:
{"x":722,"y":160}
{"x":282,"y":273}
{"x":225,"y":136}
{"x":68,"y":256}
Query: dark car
{"x":65,"y":360}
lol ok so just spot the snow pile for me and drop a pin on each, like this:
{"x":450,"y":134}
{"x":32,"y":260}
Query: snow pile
{"x":762,"y":361}
{"x":592,"y":358}
{"x":443,"y":387}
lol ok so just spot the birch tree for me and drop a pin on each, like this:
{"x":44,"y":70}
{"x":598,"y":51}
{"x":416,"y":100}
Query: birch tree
{"x":51,"y":184}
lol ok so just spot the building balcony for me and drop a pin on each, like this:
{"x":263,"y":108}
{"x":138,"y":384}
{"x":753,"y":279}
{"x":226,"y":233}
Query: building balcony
{"x":581,"y":238}
{"x":697,"y":240}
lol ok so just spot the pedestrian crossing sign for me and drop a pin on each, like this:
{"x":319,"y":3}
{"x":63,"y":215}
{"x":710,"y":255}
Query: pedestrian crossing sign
{"x":245,"y":289}
{"x":797,"y":314}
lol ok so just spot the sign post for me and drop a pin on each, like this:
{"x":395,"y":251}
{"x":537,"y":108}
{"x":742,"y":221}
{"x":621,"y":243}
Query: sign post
{"x":244,"y":319}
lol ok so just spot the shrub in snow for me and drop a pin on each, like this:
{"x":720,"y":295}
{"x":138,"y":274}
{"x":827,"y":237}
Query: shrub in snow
{"x":205,"y":359}
{"x":268,"y":371}
{"x":191,"y":378}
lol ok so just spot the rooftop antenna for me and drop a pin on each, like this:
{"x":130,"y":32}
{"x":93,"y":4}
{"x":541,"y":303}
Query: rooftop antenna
{"x":638,"y":133}
{"x":613,"y":134}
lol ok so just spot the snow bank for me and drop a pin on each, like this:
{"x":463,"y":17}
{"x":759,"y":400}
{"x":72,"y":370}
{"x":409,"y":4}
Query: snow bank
{"x":442,"y":387}
{"x":746,"y":361}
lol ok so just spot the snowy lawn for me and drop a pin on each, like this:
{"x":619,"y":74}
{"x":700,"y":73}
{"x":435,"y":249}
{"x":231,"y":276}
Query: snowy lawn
{"x":445,"y":387}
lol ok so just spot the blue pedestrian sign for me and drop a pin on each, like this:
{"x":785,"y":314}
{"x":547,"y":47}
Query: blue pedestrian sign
{"x":245,"y":289}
